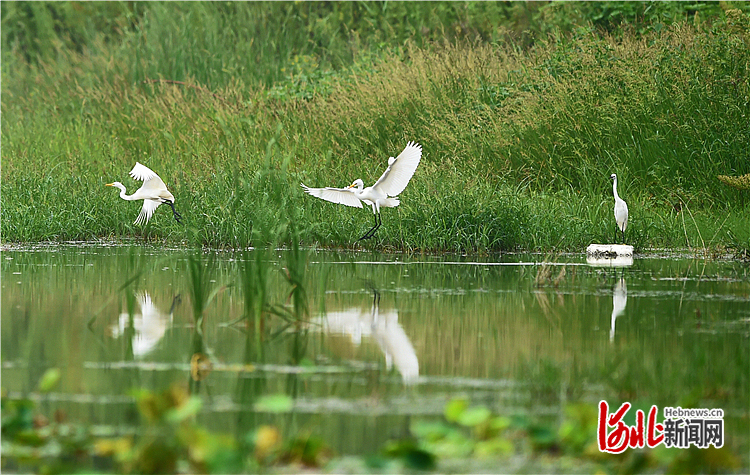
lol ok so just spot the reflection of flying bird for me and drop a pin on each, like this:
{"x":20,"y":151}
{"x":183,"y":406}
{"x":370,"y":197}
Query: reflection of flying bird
{"x":150,"y":325}
{"x":621,"y":208}
{"x":383,"y":326}
{"x":393,"y":342}
{"x":153,"y":192}
{"x":391,"y":183}
{"x":619,"y":300}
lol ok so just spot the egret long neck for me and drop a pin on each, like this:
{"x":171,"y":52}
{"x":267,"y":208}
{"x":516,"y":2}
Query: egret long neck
{"x":124,"y":196}
{"x":614,"y":189}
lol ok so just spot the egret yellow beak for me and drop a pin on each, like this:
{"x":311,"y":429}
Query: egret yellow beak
{"x":110,"y":184}
{"x":351,"y":186}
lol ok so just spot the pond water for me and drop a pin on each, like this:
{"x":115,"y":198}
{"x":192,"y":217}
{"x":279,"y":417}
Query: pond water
{"x":364,"y":342}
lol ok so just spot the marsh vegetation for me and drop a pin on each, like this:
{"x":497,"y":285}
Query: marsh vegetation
{"x":520,"y":130}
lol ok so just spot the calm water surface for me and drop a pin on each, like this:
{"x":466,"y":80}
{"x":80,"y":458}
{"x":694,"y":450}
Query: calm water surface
{"x":385,"y":338}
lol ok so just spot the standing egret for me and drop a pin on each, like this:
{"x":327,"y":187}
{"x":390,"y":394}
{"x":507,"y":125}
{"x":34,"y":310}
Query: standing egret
{"x":621,"y":208}
{"x":153,"y":192}
{"x":382,"y":194}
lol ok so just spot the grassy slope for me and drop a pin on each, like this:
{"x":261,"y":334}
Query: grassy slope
{"x":518,"y":144}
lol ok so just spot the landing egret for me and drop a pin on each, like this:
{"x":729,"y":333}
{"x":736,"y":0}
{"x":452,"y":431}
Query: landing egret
{"x":391,"y":183}
{"x":153,"y":192}
{"x":621,"y":208}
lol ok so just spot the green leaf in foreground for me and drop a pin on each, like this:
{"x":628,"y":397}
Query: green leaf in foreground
{"x":430,"y":431}
{"x":474,"y":416}
{"x":276,"y":403}
{"x":409,"y":452}
{"x":49,"y":380}
{"x":187,"y":409}
{"x":454,"y":409}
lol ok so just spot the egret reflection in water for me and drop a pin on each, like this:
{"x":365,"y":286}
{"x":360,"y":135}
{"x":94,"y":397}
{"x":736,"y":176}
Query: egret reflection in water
{"x":149,"y":326}
{"x":619,"y":301}
{"x":383,"y":327}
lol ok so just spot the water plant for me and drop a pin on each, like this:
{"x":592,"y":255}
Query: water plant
{"x":254,"y":282}
{"x":201,"y":290}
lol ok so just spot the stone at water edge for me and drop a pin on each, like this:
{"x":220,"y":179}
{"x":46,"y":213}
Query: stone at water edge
{"x":609,"y":255}
{"x":609,"y":251}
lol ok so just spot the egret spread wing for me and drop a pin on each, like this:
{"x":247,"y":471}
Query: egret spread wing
{"x":154,"y":183}
{"x":149,"y":206}
{"x":147,"y":305}
{"x":142,"y":172}
{"x":153,"y":186}
{"x":344,"y":196}
{"x":400,"y":170}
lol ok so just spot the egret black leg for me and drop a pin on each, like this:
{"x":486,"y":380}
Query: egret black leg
{"x":175,"y":301}
{"x":378,"y":223}
{"x":375,"y":307}
{"x":177,"y":216}
{"x":371,"y":232}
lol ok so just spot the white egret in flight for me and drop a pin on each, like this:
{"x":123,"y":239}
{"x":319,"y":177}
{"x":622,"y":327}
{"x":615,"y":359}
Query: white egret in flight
{"x":153,"y":192}
{"x":621,"y":208}
{"x":382,"y":194}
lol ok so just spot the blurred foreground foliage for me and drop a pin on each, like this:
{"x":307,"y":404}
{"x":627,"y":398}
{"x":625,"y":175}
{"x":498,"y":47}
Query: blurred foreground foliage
{"x":467,"y":437}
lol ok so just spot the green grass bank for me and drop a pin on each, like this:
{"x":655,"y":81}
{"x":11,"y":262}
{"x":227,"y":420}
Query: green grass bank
{"x":520,"y":132}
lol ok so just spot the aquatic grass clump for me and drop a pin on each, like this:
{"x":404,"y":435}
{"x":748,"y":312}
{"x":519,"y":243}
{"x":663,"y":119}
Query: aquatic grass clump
{"x":203,"y":289}
{"x":254,"y":283}
{"x":478,"y":218}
